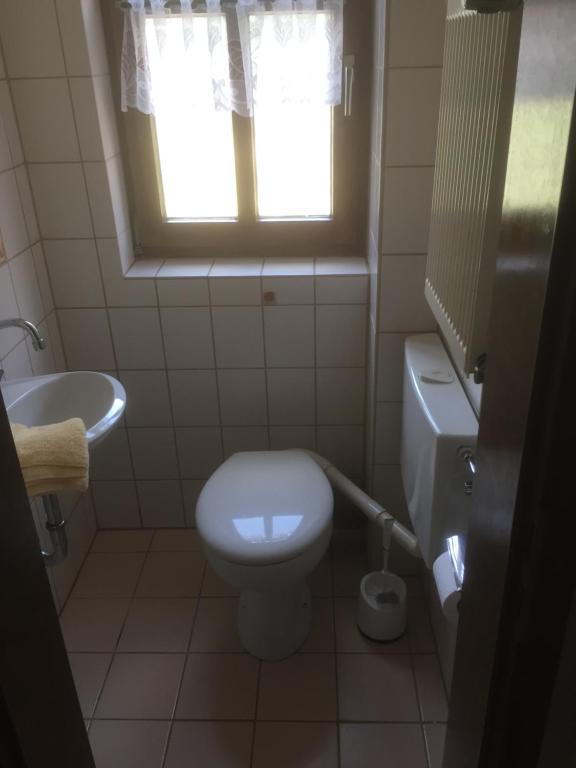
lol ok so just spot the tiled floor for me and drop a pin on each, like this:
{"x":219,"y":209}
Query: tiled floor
{"x":163,"y":681}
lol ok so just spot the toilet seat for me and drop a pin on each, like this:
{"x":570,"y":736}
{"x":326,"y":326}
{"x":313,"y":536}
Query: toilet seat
{"x":263,"y":508}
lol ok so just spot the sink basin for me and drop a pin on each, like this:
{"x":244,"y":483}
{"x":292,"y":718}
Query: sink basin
{"x":99,"y":400}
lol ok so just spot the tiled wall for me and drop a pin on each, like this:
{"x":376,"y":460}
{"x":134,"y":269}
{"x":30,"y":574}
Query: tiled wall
{"x":408,"y":49}
{"x":209,"y":367}
{"x":25,"y":291}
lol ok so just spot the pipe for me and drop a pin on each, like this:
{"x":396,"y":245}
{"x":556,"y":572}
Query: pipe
{"x":373,"y":511}
{"x":56,"y":527}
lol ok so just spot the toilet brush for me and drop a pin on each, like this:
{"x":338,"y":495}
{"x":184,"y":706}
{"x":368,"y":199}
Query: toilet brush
{"x":381,"y":613}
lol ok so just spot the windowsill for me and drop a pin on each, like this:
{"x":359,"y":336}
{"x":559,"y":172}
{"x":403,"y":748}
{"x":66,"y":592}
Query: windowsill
{"x":248,"y":268}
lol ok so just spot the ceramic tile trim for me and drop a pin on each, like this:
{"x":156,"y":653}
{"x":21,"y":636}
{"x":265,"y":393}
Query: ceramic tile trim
{"x":221,"y":268}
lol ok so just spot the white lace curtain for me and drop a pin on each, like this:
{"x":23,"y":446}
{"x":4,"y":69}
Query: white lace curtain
{"x":233,"y":55}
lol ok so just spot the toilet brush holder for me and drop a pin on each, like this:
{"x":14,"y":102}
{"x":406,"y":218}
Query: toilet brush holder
{"x":381,"y":613}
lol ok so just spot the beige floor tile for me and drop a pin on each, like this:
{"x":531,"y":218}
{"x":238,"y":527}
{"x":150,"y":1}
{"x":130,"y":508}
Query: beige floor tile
{"x":212,"y":745}
{"x":89,"y":671}
{"x":93,"y":624}
{"x":128,"y":744}
{"x":377,"y":687}
{"x":349,"y":561}
{"x":349,"y":639}
{"x":171,"y":574}
{"x":420,"y":635}
{"x":141,"y":686}
{"x":122,"y":541}
{"x":321,"y":637}
{"x":216,"y":626}
{"x":381,"y":746}
{"x":320,"y":580}
{"x":218,"y":686}
{"x":435,"y":735}
{"x":301,"y":687}
{"x":431,"y":691}
{"x":296,"y":745}
{"x":214,"y":586}
{"x":109,"y":575}
{"x":176,"y":539}
{"x":158,"y":625}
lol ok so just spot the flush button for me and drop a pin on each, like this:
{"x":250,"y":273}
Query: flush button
{"x":436,"y":377}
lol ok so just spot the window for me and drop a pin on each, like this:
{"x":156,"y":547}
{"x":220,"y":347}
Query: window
{"x":292,"y":175}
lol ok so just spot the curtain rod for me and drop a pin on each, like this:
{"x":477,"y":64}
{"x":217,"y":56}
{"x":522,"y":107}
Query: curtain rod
{"x":198,"y":5}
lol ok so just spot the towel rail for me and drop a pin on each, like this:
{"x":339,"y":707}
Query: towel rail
{"x":56,"y":527}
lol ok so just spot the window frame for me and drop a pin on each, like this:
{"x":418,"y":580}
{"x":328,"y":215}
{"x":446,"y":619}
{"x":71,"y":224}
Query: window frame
{"x":343,"y":233}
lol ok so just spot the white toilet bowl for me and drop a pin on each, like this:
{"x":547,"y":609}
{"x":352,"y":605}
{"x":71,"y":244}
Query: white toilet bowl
{"x":265,"y":519}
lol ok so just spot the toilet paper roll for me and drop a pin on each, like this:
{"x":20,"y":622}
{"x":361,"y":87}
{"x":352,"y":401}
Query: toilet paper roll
{"x":446,"y":585}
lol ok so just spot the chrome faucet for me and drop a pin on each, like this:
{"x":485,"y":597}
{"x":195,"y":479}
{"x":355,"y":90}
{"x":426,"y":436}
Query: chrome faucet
{"x":17,"y":322}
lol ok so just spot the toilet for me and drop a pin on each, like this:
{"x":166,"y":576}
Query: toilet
{"x":265,"y":519}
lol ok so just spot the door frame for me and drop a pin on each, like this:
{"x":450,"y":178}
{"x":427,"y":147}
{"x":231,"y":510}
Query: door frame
{"x":521,"y":579}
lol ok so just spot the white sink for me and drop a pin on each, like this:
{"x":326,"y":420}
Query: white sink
{"x":99,"y":400}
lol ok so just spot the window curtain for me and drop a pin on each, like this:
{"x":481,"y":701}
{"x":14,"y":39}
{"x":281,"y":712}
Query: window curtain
{"x":233,"y":56}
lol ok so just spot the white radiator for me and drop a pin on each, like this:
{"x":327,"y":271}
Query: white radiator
{"x":480,"y":57}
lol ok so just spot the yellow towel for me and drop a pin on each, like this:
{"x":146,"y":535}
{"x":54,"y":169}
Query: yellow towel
{"x":53,"y":458}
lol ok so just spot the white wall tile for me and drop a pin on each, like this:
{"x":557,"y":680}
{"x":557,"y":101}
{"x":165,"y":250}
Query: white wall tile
{"x":100,"y":199}
{"x":406,"y":205}
{"x":288,"y":290}
{"x":9,"y":337}
{"x":238,"y":337}
{"x":188,"y":337}
{"x":235,"y":291}
{"x":390,"y":370}
{"x":111,"y":458}
{"x":161,"y":503}
{"x":341,"y":335}
{"x":10,"y":127}
{"x":242,"y":397}
{"x":86,"y":339}
{"x":282,"y":438}
{"x":276,"y":266}
{"x":388,"y":433}
{"x":183,"y":292}
{"x":61,"y":200}
{"x":194,"y":398}
{"x":389,"y":491}
{"x":27,"y":203}
{"x":5,"y":154}
{"x":26,"y":287}
{"x":74,"y":272}
{"x":121,"y":291}
{"x":245,"y":267}
{"x":238,"y":439}
{"x":42,"y":275}
{"x":116,"y":504}
{"x":82,"y":36}
{"x":81,"y":529}
{"x":16,"y":364}
{"x":95,"y":117}
{"x":153,"y":453}
{"x":340,"y":395}
{"x":416,"y":33}
{"x":291,"y":396}
{"x":46,"y":121}
{"x":344,"y":447}
{"x":137,"y":338}
{"x":12,"y":223}
{"x":191,"y":489}
{"x":117,"y":187}
{"x":289,"y":336}
{"x":148,"y":401}
{"x":412,"y":104}
{"x":31,"y":40}
{"x":56,"y":342}
{"x":199,"y":450}
{"x":179,"y":268}
{"x":403,"y":306}
{"x":342,"y":289}
{"x":340,"y":265}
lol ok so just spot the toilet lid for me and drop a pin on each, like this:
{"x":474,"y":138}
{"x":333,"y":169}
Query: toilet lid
{"x":264,"y":507}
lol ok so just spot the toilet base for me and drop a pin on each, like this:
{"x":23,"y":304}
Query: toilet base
{"x":275,"y":623}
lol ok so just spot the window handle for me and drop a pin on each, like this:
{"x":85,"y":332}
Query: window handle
{"x":348,"y":84}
